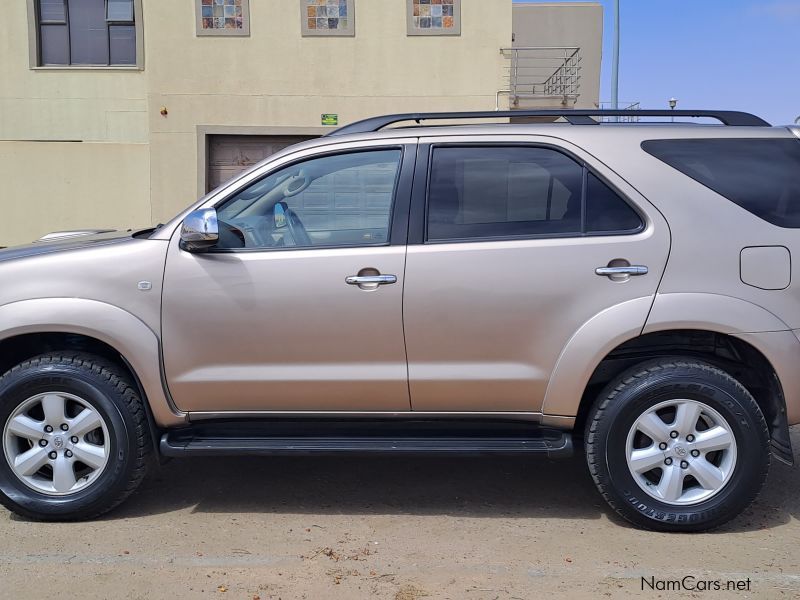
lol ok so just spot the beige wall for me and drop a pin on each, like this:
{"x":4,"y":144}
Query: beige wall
{"x":576,"y":24}
{"x":277,"y":78}
{"x":54,"y":104}
{"x":136,"y":167}
{"x":104,"y":181}
{"x":60,"y":186}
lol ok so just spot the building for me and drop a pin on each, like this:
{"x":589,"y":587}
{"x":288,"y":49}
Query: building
{"x":118,"y":113}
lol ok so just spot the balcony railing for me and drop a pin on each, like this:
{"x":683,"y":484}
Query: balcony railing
{"x":622,"y":106}
{"x":543,"y":73}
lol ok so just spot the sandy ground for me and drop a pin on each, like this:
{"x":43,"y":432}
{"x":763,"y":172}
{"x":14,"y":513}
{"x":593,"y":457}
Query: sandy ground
{"x":391,"y":527}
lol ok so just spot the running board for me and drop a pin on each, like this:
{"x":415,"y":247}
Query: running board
{"x":271,"y":439}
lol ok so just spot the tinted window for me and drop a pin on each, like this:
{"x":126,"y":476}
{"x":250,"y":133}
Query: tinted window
{"x":487,"y":192}
{"x":606,"y":211}
{"x":762,"y":176}
{"x":500,"y":192}
{"x":338,"y":200}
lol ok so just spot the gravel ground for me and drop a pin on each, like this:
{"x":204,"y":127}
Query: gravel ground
{"x":392,"y":527}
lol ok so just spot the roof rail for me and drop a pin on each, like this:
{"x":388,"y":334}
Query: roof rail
{"x":573,"y":116}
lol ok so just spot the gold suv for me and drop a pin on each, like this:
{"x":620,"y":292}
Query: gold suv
{"x":625,"y":288}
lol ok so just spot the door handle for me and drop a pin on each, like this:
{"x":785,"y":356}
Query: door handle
{"x":631,"y":270}
{"x":370,"y":279}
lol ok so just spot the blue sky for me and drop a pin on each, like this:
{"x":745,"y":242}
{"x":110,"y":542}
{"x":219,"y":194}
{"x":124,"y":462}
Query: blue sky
{"x":723,"y":54}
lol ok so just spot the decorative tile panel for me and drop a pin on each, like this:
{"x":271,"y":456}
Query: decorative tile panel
{"x":223,"y":17}
{"x":328,"y":17}
{"x":434,"y":17}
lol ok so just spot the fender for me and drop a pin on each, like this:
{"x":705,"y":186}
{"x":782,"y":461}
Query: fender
{"x":121,"y":330}
{"x":622,"y":322}
{"x":712,"y":312}
{"x":587,"y":347}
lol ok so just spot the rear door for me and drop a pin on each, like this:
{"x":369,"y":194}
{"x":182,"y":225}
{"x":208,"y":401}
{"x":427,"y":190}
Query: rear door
{"x":506,"y":239}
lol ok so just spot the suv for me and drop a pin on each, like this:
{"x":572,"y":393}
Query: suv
{"x":627,"y":288}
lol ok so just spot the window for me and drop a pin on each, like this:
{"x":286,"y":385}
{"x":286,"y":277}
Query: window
{"x":760,"y":175}
{"x":500,"y":192}
{"x":223,"y":17}
{"x":606,"y":211}
{"x":337,"y":200}
{"x":328,"y":17}
{"x":86,"y":32}
{"x":434,"y":17}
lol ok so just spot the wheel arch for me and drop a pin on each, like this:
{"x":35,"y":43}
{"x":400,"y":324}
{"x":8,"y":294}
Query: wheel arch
{"x":32,"y":327}
{"x":704,"y":326}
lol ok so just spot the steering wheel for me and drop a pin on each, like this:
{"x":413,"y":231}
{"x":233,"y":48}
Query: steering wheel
{"x":297,"y":229}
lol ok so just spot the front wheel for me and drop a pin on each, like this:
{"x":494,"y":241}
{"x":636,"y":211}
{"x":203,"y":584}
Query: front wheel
{"x":677,"y":445}
{"x":75,"y":439}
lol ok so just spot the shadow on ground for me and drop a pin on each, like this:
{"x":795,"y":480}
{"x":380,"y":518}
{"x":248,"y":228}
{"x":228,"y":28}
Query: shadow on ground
{"x":515,"y":487}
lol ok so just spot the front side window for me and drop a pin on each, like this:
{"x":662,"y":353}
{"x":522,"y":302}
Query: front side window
{"x":760,"y":175}
{"x":517,"y":191}
{"x":335,"y":200}
{"x":86,"y":32}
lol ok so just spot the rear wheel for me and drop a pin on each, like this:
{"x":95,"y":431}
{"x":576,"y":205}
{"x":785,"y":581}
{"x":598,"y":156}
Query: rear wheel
{"x":75,"y":439}
{"x":677,"y":445}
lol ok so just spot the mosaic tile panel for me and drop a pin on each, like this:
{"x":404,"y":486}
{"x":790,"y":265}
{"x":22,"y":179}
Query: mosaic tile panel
{"x":327,"y":14}
{"x":327,"y":17}
{"x":434,"y":14}
{"x":434,"y":17}
{"x":222,"y":14}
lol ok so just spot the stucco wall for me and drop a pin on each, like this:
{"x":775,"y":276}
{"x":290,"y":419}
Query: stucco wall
{"x":104,"y":181}
{"x":57,"y":104}
{"x":57,"y":186}
{"x":576,"y":24}
{"x":276,"y":77}
{"x":136,"y":167}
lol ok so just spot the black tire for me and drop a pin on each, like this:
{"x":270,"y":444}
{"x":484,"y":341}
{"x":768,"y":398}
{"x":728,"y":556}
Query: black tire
{"x":108,"y":390}
{"x":646,"y":385}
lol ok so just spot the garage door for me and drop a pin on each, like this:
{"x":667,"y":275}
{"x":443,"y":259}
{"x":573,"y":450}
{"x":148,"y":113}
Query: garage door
{"x":229,"y":155}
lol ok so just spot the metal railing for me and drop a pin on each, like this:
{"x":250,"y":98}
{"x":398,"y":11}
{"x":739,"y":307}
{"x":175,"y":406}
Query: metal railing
{"x":543,"y":72}
{"x":622,"y":106}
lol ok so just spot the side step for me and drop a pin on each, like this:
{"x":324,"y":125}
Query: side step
{"x":304,"y":438}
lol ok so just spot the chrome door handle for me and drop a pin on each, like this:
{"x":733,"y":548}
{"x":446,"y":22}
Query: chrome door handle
{"x":630,"y":270}
{"x":370,"y":279}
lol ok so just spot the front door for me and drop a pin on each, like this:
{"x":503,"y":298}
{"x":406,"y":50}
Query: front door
{"x":272,"y":319}
{"x":502,"y":272}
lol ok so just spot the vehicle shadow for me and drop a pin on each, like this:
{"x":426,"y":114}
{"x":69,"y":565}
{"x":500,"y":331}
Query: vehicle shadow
{"x":492,"y":486}
{"x":481,"y":486}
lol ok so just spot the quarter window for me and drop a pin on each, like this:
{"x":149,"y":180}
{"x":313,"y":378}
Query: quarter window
{"x":337,"y":200}
{"x":606,"y":211}
{"x":760,"y":175}
{"x":497,"y":192}
{"x":86,"y":32}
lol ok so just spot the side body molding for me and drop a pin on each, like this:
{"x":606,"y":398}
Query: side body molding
{"x":134,"y":340}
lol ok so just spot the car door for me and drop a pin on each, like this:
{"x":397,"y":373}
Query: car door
{"x":272,"y":318}
{"x":506,"y":236}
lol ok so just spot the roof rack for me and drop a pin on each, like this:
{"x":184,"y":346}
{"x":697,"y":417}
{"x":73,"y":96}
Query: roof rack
{"x":573,"y":116}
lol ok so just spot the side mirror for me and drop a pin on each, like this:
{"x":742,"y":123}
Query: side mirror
{"x":200,"y":230}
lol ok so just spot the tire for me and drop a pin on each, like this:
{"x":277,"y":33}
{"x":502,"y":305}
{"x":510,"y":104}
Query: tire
{"x":668,"y":497}
{"x":100,"y":405}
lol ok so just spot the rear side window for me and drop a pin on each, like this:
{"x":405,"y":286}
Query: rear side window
{"x":762,"y":176}
{"x":519,"y":191}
